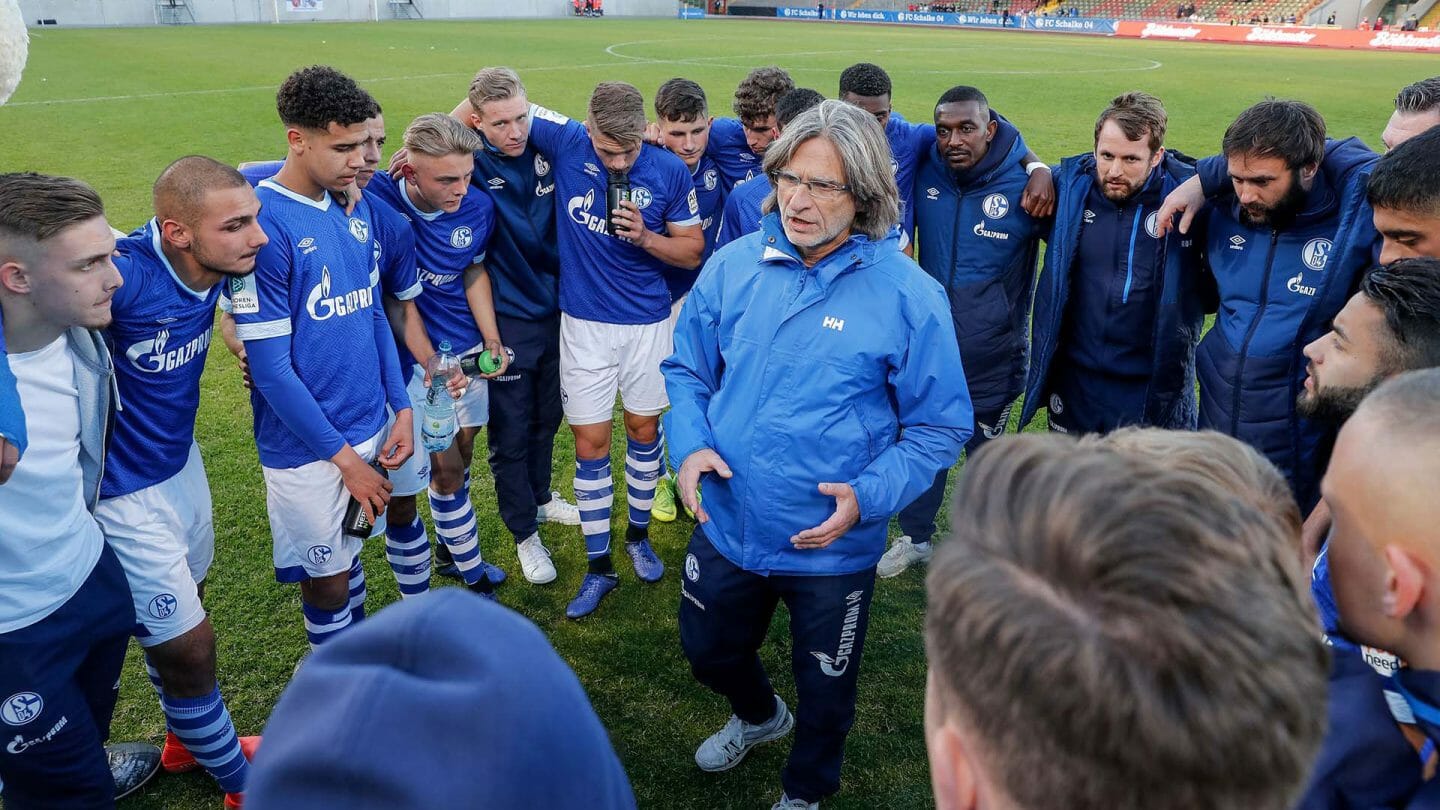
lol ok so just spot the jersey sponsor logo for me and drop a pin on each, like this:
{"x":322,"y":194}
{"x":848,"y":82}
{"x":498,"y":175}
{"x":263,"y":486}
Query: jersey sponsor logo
{"x":1316,"y":253}
{"x":1297,"y":285}
{"x":542,"y":168}
{"x":151,"y":357}
{"x":578,"y":210}
{"x":995,"y":206}
{"x":541,"y":189}
{"x":163,"y":606}
{"x":1237,"y":242}
{"x":711,"y":179}
{"x":319,"y":555}
{"x":1089,"y":217}
{"x":360,"y":229}
{"x":1152,"y":225}
{"x":19,"y":744}
{"x":832,"y":322}
{"x":642,"y":197}
{"x":692,"y":568}
{"x":835,"y":667}
{"x":244,"y":295}
{"x":21,"y":707}
{"x":461,"y":237}
{"x":980,"y":230}
{"x":435,"y":279}
{"x":932,"y":193}
{"x":322,"y":306}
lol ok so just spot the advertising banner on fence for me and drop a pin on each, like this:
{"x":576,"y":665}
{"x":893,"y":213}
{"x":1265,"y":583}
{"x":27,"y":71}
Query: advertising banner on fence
{"x":1283,"y":35}
{"x":790,"y":12}
{"x":692,"y":13}
{"x":1079,"y":25}
{"x":1072,"y":25}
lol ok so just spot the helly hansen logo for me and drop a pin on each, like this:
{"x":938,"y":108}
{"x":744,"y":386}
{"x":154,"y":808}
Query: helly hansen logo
{"x":832,"y":322}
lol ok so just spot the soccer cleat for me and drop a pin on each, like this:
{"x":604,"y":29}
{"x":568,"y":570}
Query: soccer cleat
{"x":535,"y":561}
{"x":234,"y":801}
{"x":787,"y":803}
{"x":592,"y":589}
{"x":494,"y":573}
{"x":663,"y":508}
{"x":903,"y":554}
{"x":132,"y":764}
{"x":725,"y":748}
{"x":445,"y":564}
{"x":558,"y":510}
{"x":176,"y":758}
{"x":647,"y":566}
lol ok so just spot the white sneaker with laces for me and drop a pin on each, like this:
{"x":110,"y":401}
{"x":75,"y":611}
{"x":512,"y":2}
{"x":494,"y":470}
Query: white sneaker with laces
{"x":535,"y":560}
{"x":725,"y":748}
{"x":903,"y":554}
{"x":787,"y":803}
{"x":558,"y":510}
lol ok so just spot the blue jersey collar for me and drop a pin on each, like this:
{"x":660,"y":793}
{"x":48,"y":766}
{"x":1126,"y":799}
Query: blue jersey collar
{"x":322,"y":204}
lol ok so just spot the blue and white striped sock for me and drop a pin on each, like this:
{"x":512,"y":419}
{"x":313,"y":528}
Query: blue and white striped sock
{"x":667,"y":467}
{"x":455,"y":525}
{"x":154,"y":675}
{"x":203,"y":725}
{"x":322,"y":625}
{"x":357,"y":590}
{"x":595,"y":495}
{"x":407,"y":549}
{"x":642,"y":469}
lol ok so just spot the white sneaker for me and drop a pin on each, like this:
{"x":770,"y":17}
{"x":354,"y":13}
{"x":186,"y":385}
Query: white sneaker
{"x":725,"y":748}
{"x":902,"y":555}
{"x":558,"y":510}
{"x":787,"y":803}
{"x":535,"y":560}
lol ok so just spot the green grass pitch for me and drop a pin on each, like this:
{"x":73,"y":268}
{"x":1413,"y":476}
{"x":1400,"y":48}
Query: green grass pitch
{"x":115,"y":106}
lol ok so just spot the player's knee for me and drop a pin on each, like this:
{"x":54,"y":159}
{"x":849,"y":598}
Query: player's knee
{"x":447,"y":481}
{"x":401,"y":511}
{"x":641,"y":428}
{"x":187,"y":663}
{"x":327,"y":593}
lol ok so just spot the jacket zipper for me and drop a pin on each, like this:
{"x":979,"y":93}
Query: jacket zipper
{"x":1250,"y":333}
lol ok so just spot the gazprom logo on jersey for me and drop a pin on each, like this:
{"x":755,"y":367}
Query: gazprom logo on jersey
{"x":995,"y":206}
{"x":1316,"y":253}
{"x":322,"y":306}
{"x":579,"y":210}
{"x":1297,"y":285}
{"x":155,"y":355}
{"x":461,"y":237}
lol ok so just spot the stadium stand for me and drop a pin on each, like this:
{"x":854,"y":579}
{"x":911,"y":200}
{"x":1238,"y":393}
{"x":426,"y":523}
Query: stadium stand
{"x":1431,"y":18}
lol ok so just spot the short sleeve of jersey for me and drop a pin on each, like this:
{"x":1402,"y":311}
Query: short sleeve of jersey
{"x":553,"y":132}
{"x":684,"y":204}
{"x":259,"y":302}
{"x":395,"y":240}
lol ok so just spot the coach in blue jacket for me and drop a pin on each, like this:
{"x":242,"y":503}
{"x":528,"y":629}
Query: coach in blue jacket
{"x":816,"y":388}
{"x":1287,"y":240}
{"x":1118,"y":307}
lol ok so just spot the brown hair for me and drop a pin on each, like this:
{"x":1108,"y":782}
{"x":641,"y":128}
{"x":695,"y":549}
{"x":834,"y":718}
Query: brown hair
{"x":756,"y":96}
{"x":494,"y":84}
{"x":681,"y":100}
{"x":1097,"y":622}
{"x":179,"y":192}
{"x":36,"y":207}
{"x":1138,"y":115}
{"x":617,"y":111}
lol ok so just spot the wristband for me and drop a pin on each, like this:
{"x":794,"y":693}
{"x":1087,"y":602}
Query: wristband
{"x":1031,"y":168}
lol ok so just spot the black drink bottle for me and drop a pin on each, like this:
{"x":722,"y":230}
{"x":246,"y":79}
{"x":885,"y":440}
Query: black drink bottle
{"x":617,"y":188}
{"x":355,"y":523}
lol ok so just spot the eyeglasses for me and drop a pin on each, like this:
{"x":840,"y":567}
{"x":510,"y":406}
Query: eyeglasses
{"x":819,"y":189}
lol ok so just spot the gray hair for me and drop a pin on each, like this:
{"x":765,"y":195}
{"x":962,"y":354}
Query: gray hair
{"x":439,"y":135}
{"x":864,"y":153}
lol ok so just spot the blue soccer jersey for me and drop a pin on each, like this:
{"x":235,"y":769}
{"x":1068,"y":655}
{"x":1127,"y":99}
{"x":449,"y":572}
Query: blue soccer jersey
{"x":603,"y":278}
{"x":907,"y":144}
{"x":159,"y":336}
{"x":394,"y":248}
{"x":710,"y":195}
{"x":446,"y":245}
{"x":265,"y":170}
{"x":315,"y":283}
{"x":731,"y":153}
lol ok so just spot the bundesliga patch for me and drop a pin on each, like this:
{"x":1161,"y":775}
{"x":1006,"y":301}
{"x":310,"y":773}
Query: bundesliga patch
{"x":694,"y":202}
{"x":545,"y":114}
{"x":244,"y":295}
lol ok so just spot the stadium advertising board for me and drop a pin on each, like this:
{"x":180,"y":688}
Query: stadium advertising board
{"x":1283,"y":35}
{"x":791,"y":12}
{"x":1073,"y":25}
{"x":1082,"y":25}
{"x":692,"y":13}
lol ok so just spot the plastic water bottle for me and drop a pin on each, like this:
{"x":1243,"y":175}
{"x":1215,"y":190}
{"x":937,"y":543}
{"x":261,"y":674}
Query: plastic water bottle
{"x":438,"y":429}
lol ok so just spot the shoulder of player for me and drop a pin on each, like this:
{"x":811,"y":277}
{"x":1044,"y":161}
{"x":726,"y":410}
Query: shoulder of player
{"x":665,"y":164}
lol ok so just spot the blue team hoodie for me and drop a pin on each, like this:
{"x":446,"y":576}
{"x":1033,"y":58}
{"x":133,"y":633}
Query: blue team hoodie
{"x":1170,"y":396}
{"x":798,"y":376}
{"x":976,"y":240}
{"x":1278,"y":291}
{"x":524,"y":254}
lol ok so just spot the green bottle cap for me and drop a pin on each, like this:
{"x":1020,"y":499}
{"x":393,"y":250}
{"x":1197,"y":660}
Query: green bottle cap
{"x":489,"y":363}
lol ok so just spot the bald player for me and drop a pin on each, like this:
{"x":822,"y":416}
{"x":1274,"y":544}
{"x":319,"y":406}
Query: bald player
{"x":155,"y":508}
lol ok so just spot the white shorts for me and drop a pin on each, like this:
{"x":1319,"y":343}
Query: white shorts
{"x":413,"y":477}
{"x":306,"y":506}
{"x":597,"y":360}
{"x":164,"y":536}
{"x":471,"y":410}
{"x":675,"y":307}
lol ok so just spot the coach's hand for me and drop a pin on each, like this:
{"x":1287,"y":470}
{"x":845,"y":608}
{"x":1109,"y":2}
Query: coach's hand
{"x":9,"y":457}
{"x":652,"y":133}
{"x":846,"y":515}
{"x":1038,"y":198}
{"x":368,"y":487}
{"x":1187,"y":200}
{"x":400,"y":444}
{"x":630,"y":225}
{"x":688,"y":481}
{"x":349,"y":198}
{"x":398,"y":161}
{"x":497,"y":349}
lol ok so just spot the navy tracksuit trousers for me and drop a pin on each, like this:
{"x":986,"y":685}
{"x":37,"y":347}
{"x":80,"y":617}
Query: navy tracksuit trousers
{"x":524,"y":416}
{"x":917,"y":519}
{"x":725,"y":613}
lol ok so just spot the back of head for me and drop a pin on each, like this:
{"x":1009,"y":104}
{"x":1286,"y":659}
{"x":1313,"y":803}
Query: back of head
{"x":757,"y":93}
{"x":1407,"y":178}
{"x":494,"y":84}
{"x":1405,"y":406}
{"x":1139,"y":115}
{"x":1407,"y":293}
{"x":617,"y":111}
{"x":864,"y":152}
{"x":1290,"y":130}
{"x":439,"y":135}
{"x":37,"y":207}
{"x":795,"y":102}
{"x":1421,"y":97}
{"x":1099,"y":631}
{"x":445,"y":700}
{"x":180,"y":190}
{"x":318,"y":96}
{"x":681,"y":100}
{"x":865,"y":79}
